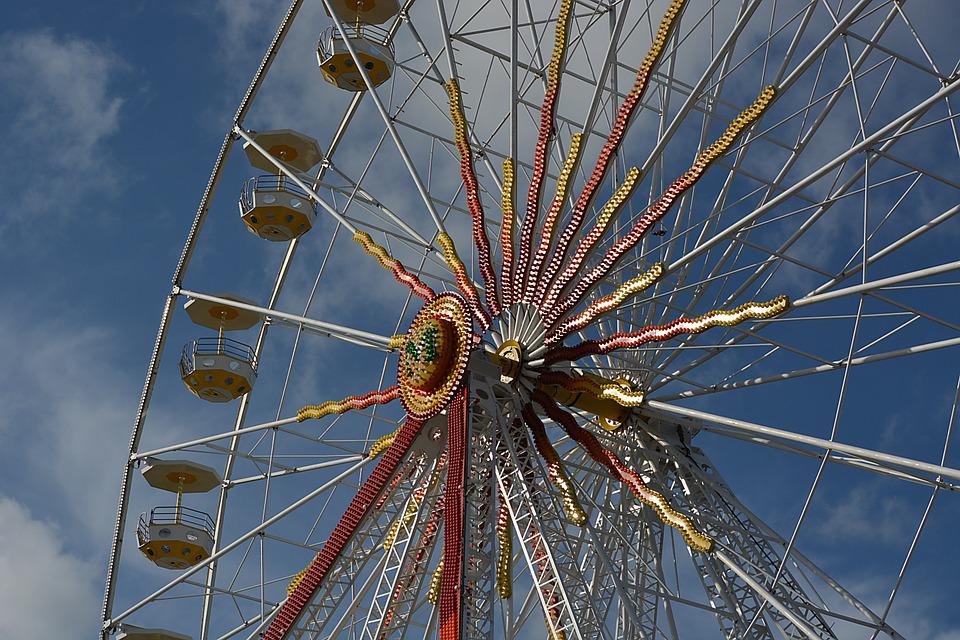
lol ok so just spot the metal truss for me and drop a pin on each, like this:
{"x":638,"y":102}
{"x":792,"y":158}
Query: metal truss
{"x":480,"y":518}
{"x":363,"y":546}
{"x":538,"y":521}
{"x":405,"y":560}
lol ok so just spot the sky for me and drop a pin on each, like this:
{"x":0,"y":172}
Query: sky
{"x":112,"y":114}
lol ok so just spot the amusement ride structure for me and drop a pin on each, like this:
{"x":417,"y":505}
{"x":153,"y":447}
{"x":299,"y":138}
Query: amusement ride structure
{"x":528,"y":462}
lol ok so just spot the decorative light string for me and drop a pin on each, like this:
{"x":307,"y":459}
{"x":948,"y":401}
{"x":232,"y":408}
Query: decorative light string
{"x":474,"y":206}
{"x":715,"y":318}
{"x":504,"y":548}
{"x":295,"y":581}
{"x":584,"y":384}
{"x":507,"y":199}
{"x":612,"y":144}
{"x":350,"y":402}
{"x":606,"y":304}
{"x":390,"y":263}
{"x":589,"y":442}
{"x":658,"y":209}
{"x":382,"y":444}
{"x":449,"y":616}
{"x":464,"y":282}
{"x":555,"y":471}
{"x":547,"y":113}
{"x":613,"y":206}
{"x":665,"y":512}
{"x":433,"y":591}
{"x":550,"y":220}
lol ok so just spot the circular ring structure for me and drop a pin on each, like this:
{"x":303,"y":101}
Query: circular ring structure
{"x":434,"y":358}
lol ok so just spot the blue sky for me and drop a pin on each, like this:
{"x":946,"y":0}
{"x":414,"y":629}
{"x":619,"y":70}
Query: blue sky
{"x":122,"y":106}
{"x":112,"y":114}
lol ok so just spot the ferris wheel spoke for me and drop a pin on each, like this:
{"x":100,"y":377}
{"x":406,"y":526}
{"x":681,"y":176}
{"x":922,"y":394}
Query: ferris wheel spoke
{"x":769,"y":598}
{"x":855,"y":268}
{"x":845,"y":460}
{"x":754,"y":546}
{"x":610,"y":542}
{"x":796,"y":154}
{"x":802,"y":564}
{"x":407,"y":536}
{"x":339,"y":332}
{"x":289,"y":471}
{"x":413,"y":573}
{"x":926,"y":512}
{"x":821,"y":294}
{"x":260,"y":620}
{"x":900,"y":124}
{"x":775,"y":258}
{"x":438,"y":78}
{"x":877,"y":284}
{"x":755,"y":552}
{"x":356,"y":193}
{"x":824,"y":368}
{"x":876,"y":457}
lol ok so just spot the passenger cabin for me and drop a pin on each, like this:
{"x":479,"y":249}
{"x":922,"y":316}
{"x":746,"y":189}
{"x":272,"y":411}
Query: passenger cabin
{"x":177,"y":537}
{"x":273,"y":206}
{"x":217,"y":368}
{"x":374,"y":52}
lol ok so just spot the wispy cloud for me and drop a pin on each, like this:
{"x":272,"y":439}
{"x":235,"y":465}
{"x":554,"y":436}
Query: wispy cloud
{"x":867,"y":514}
{"x":60,"y":107}
{"x":46,"y":591}
{"x":68,"y":406}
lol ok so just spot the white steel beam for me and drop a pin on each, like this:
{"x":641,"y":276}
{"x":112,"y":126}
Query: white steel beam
{"x":752,"y":427}
{"x":346,"y":334}
{"x":877,"y":284}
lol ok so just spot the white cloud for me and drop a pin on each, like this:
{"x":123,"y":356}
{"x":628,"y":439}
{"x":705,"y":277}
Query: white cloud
{"x":46,"y":591}
{"x":916,"y":613}
{"x":61,"y":106}
{"x":79,"y":412}
{"x":867,"y":514}
{"x":243,"y":20}
{"x":68,"y":406}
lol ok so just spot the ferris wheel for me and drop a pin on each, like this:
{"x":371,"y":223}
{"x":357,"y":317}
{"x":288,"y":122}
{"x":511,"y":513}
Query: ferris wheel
{"x":521,"y":256}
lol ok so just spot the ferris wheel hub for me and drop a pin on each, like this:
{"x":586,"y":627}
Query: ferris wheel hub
{"x":519,"y":339}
